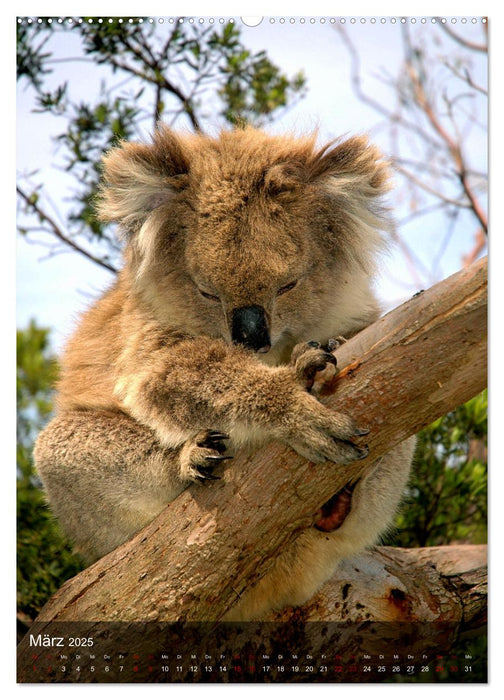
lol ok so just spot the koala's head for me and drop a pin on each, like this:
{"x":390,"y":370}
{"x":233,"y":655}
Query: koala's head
{"x":255,"y":238}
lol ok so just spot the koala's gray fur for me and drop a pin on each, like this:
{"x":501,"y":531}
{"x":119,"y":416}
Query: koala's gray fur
{"x":239,"y":249}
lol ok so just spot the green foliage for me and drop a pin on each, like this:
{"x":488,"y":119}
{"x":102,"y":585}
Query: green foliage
{"x":31,"y":58}
{"x":90,"y":132}
{"x":36,"y":374}
{"x":182,"y":73}
{"x":447,"y":497}
{"x":44,"y":558}
{"x":254,"y":87}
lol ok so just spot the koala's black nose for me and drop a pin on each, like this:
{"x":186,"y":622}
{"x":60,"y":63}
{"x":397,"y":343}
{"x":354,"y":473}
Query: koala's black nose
{"x":249,"y":327}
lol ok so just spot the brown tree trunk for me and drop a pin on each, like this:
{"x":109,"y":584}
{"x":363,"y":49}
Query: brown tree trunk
{"x":193,"y":561}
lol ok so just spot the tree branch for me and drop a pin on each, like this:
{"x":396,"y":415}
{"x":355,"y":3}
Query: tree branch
{"x":56,"y":230}
{"x":472,"y":45}
{"x":162,"y":81}
{"x":193,"y":561}
{"x":450,"y":584}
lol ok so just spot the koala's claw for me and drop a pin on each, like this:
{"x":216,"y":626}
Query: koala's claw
{"x":326,"y":357}
{"x":363,"y":452}
{"x":201,"y":455}
{"x":338,"y":451}
{"x":202,"y":474}
{"x":212,"y":439}
{"x":320,"y":434}
{"x":334,"y":343}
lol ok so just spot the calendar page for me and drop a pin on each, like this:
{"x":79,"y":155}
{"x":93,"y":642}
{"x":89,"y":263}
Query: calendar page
{"x":252,"y":342}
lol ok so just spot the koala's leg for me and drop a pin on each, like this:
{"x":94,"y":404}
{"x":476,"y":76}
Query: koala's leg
{"x":311,"y":560}
{"x":106,"y":476}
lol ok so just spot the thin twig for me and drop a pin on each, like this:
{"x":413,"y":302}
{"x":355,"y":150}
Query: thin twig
{"x":56,"y":230}
{"x":465,"y":77}
{"x":454,"y":146}
{"x":480,"y":243}
{"x":431,"y":190}
{"x":473,"y":46}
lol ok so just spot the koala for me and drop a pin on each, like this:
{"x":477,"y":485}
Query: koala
{"x":244,"y":255}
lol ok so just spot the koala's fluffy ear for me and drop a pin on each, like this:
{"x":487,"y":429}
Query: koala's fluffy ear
{"x":138,"y":178}
{"x":354,"y":167}
{"x":355,"y":177}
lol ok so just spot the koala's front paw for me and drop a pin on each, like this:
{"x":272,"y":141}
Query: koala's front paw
{"x":319,"y":433}
{"x":201,"y":455}
{"x":313,"y":364}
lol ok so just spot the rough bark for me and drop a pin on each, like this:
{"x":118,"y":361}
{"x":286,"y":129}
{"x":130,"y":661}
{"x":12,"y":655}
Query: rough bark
{"x":391,"y":584}
{"x":413,"y":365}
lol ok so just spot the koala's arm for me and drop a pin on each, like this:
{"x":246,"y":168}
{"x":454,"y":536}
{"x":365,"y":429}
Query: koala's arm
{"x":108,"y":473}
{"x":203,"y":383}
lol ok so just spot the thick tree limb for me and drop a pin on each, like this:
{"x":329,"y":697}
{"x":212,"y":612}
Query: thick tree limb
{"x":391,"y":584}
{"x":415,"y":364}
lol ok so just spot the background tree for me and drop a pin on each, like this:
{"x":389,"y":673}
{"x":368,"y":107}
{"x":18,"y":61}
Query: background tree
{"x":446,"y":500}
{"x":44,"y":557}
{"x":186,"y":75}
{"x":428,"y":110}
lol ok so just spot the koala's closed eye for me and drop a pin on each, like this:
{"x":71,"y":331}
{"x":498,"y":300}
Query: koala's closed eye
{"x":286,"y":288}
{"x":207,"y":295}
